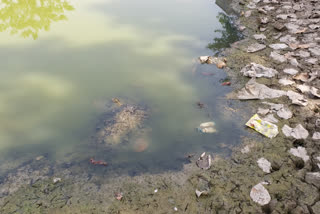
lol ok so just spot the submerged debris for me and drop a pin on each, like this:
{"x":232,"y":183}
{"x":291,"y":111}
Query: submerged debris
{"x":260,"y":194}
{"x":219,"y":62}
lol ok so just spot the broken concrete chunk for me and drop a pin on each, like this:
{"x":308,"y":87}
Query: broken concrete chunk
{"x":286,"y":82}
{"x":298,"y":132}
{"x":259,"y":36}
{"x":260,"y":195}
{"x":316,"y":136}
{"x":290,"y":71}
{"x":313,"y":178}
{"x":278,"y":46}
{"x":262,"y":126}
{"x":257,"y":70}
{"x":264,"y":164}
{"x":255,"y":47}
{"x":297,"y":98}
{"x":278,"y":57}
{"x":300,"y":152}
{"x":254,"y":90}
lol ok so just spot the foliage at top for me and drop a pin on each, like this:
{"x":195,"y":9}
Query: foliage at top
{"x":28,"y":17}
{"x":229,"y":34}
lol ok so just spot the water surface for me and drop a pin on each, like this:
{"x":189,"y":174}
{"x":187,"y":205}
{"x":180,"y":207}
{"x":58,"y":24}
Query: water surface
{"x":61,"y":62}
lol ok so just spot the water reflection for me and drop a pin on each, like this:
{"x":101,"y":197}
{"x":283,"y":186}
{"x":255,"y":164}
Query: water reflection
{"x":229,"y":33}
{"x":27,"y":17}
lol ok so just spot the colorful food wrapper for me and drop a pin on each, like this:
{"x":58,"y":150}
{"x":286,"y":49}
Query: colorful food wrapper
{"x":268,"y":129}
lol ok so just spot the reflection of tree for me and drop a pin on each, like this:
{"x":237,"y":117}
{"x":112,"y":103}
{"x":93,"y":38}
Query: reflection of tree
{"x":28,"y":17}
{"x":229,"y":34}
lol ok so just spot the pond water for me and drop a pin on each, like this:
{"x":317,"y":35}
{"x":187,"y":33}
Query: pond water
{"x":62,"y":62}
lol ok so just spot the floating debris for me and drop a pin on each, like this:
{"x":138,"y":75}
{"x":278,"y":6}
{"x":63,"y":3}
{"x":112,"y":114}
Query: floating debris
{"x":208,"y":127}
{"x":226,"y":83}
{"x":116,"y":101}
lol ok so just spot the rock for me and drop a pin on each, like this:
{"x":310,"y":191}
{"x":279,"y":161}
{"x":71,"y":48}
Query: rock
{"x":259,"y":37}
{"x":278,"y":57}
{"x":247,"y":13}
{"x":255,"y":47}
{"x":315,"y":51}
{"x":292,"y":28}
{"x":313,"y":178}
{"x":297,"y":99}
{"x":278,"y":46}
{"x":316,"y":136}
{"x":314,"y":27}
{"x":56,"y":180}
{"x":204,"y":162}
{"x":279,"y":26}
{"x":315,"y":208}
{"x":270,"y":118}
{"x":264,"y":164}
{"x":308,"y":89}
{"x":293,"y":62}
{"x":288,"y":39}
{"x":257,"y":70}
{"x":284,"y":113}
{"x":254,"y":90}
{"x":298,"y":132}
{"x":263,"y":111}
{"x":312,"y":61}
{"x":203,"y":59}
{"x":290,"y":71}
{"x":300,"y":152}
{"x":286,"y":82}
{"x":302,"y":76}
{"x":303,"y":54}
{"x":260,"y":194}
{"x":263,"y":20}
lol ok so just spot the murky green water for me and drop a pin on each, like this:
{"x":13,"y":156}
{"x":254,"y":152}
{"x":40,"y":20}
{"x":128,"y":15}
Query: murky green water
{"x":61,"y":62}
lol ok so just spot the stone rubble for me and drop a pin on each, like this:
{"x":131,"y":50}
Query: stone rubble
{"x":260,"y":194}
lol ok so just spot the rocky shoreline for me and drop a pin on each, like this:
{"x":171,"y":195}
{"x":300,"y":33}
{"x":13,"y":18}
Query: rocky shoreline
{"x":281,"y":56}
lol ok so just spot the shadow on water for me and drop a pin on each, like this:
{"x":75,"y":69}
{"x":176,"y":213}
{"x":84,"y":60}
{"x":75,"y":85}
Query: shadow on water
{"x":228,"y":34}
{"x":28,"y":17}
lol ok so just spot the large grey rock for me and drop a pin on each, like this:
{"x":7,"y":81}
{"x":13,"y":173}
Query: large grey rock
{"x":278,"y":46}
{"x":257,"y":70}
{"x":313,"y":178}
{"x":278,"y":57}
{"x":254,"y":90}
